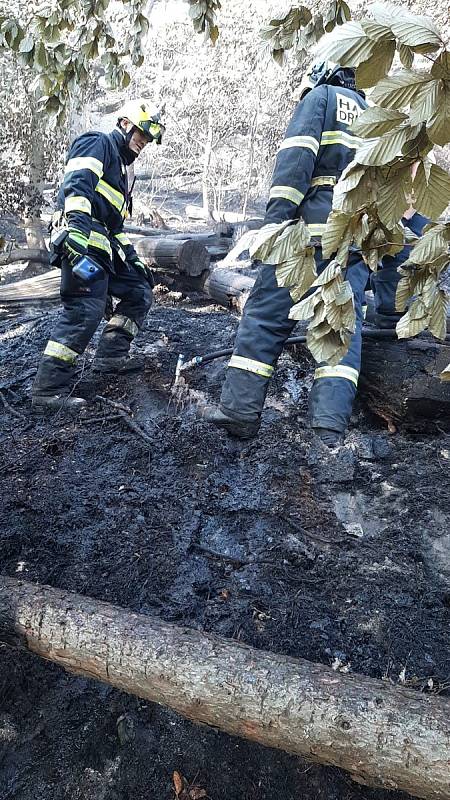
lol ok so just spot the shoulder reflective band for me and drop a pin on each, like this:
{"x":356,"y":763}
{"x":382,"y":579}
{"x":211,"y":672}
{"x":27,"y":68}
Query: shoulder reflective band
{"x":115,"y":198}
{"x":84,"y":162}
{"x":286,"y":193}
{"x":100,"y":242}
{"x":125,"y":323}
{"x":247,"y":364}
{"x":77,"y":203}
{"x":337,"y":372}
{"x":317,"y":229}
{"x":324,"y":180}
{"x":300,"y":141}
{"x":340,"y":137}
{"x":60,"y":351}
{"x":123,"y":239}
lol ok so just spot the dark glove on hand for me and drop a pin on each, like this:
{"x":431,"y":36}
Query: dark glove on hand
{"x":75,"y":246}
{"x":143,"y":270}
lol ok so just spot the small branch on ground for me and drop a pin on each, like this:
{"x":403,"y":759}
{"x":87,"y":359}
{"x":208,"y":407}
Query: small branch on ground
{"x":11,"y":409}
{"x":125,"y":414}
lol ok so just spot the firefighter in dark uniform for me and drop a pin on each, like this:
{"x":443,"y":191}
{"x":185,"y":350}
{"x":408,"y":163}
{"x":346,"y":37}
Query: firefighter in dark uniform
{"x":384,"y":282}
{"x":318,"y":146}
{"x":94,"y":200}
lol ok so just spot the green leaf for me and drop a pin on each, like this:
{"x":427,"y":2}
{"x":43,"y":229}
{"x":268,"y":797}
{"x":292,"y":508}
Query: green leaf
{"x":438,"y":125}
{"x":441,"y":67}
{"x":26,"y":44}
{"x":377,"y":67}
{"x":399,"y":90}
{"x":305,"y":309}
{"x":403,"y":293}
{"x":432,"y":196}
{"x":385,"y":149}
{"x":392,"y":198}
{"x":377,"y":121}
{"x":336,"y":233}
{"x":418,"y":33}
{"x":445,"y":374}
{"x":406,"y":55}
{"x":213,"y":33}
{"x":352,"y":48}
{"x":414,"y":321}
{"x":430,"y":247}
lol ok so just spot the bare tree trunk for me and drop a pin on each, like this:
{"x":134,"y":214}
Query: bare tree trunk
{"x":382,"y":735}
{"x":251,"y":155}
{"x":206,"y":163}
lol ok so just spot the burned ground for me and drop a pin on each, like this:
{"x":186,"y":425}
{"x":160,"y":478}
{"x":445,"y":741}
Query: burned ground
{"x":346,"y":562}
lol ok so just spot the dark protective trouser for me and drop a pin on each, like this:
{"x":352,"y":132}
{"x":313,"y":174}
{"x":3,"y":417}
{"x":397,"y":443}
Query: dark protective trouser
{"x":262,"y":332}
{"x":84,"y":306}
{"x":384,"y":284}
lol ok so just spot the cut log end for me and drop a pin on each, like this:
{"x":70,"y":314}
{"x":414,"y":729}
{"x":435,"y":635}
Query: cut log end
{"x":186,"y":256}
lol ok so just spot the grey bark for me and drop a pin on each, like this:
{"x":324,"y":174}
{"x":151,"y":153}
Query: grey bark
{"x":382,"y":735}
{"x":187,"y":256}
{"x":38,"y":255}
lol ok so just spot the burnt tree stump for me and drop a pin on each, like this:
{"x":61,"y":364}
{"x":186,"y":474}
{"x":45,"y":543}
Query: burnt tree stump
{"x":400,"y":381}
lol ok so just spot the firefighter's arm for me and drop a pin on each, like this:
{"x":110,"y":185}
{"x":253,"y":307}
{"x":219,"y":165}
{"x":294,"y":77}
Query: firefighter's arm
{"x":84,"y":169}
{"x":297,"y":157}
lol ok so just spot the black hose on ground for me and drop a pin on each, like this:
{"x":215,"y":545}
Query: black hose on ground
{"x":367,"y":333}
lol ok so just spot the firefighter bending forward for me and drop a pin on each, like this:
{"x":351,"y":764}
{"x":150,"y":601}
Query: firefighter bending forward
{"x":96,"y":257}
{"x":318,"y":145}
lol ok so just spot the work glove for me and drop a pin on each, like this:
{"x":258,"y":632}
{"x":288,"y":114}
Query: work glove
{"x":142,"y":269}
{"x":75,"y":246}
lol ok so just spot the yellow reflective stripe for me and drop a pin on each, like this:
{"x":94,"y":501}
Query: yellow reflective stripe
{"x":77,"y":203}
{"x":324,"y":180}
{"x":78,"y":237}
{"x":84,"y":162}
{"x":122,"y":238}
{"x":247,"y":364}
{"x":115,"y":198}
{"x":286,"y":193}
{"x":100,"y":242}
{"x":340,"y":137}
{"x":317,"y":229}
{"x":337,"y":372}
{"x":301,"y":141}
{"x":127,"y":324}
{"x":60,"y":351}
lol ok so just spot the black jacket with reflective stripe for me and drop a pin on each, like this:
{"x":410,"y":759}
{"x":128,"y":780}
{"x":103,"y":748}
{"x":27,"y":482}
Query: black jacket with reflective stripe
{"x":318,"y":145}
{"x":94,"y":192}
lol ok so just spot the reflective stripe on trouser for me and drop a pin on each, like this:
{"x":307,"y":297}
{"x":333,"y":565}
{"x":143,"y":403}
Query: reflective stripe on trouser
{"x":263,"y":330}
{"x":84,"y":306}
{"x":334,"y":388}
{"x":129,"y":315}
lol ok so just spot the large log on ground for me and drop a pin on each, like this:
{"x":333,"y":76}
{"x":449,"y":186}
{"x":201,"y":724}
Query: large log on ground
{"x":24,"y":254}
{"x":382,"y":735}
{"x":187,"y":256}
{"x":42,"y":288}
{"x":228,"y":287}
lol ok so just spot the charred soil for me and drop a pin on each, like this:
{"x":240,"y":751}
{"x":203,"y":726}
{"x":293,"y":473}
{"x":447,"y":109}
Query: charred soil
{"x":342,"y":560}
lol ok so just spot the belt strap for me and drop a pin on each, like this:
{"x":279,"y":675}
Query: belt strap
{"x":324,"y":180}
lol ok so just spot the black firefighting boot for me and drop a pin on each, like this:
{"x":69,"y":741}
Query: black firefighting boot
{"x":241,"y":428}
{"x":329,"y":437}
{"x":112,"y":352}
{"x":120,"y":365}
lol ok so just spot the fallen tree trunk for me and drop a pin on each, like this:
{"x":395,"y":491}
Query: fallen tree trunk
{"x":186,"y":255}
{"x":199,"y":213}
{"x":382,"y":735}
{"x":24,"y":254}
